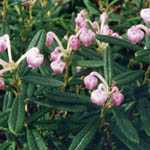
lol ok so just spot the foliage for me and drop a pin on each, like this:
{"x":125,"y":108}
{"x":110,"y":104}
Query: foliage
{"x":41,"y":111}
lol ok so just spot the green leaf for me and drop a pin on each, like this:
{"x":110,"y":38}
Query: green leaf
{"x":44,"y":80}
{"x":117,"y":41}
{"x":131,"y":145}
{"x":67,"y":97}
{"x":143,"y":55}
{"x":30,"y":89}
{"x":126,"y":126}
{"x":17,"y":115}
{"x":84,"y":137}
{"x":8,"y":146}
{"x":4,"y":119}
{"x":89,"y":63}
{"x":108,"y":66}
{"x":91,"y":8}
{"x":35,"y":141}
{"x":61,"y":106}
{"x":38,"y":40}
{"x":8,"y":100}
{"x":127,"y":77}
{"x":144,"y":110}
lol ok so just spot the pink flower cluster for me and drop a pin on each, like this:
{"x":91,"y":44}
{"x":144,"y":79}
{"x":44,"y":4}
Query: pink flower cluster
{"x":137,"y":32}
{"x":57,"y":65}
{"x":100,"y":93}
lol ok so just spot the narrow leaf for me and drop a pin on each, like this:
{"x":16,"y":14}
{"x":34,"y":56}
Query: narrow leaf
{"x":126,"y":126}
{"x":107,"y":65}
{"x":17,"y":115}
{"x":83,"y":138}
{"x":35,"y":141}
{"x":117,"y":41}
{"x":144,"y":109}
{"x":44,"y":80}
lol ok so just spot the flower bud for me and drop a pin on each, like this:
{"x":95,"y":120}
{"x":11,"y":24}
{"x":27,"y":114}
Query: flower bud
{"x":99,"y":97}
{"x":106,"y":30}
{"x":56,"y":54}
{"x":80,"y":21}
{"x":87,"y":37}
{"x":2,"y":84}
{"x":3,"y":44}
{"x":145,"y":15}
{"x":49,"y":39}
{"x":58,"y":66}
{"x":90,"y":82}
{"x":115,"y":34}
{"x":117,"y":96}
{"x":95,"y":26}
{"x":34,"y":58}
{"x":135,"y":35}
{"x":74,"y":42}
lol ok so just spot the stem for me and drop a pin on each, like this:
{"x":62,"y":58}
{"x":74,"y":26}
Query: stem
{"x":4,"y":70}
{"x":21,"y":59}
{"x":59,"y":42}
{"x":8,"y":47}
{"x":68,"y":45}
{"x":3,"y":63}
{"x":102,"y":79}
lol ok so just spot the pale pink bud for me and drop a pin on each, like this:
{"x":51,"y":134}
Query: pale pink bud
{"x":34,"y":58}
{"x":58,"y":66}
{"x":115,"y":34}
{"x":99,"y":97}
{"x":74,"y":42}
{"x":49,"y":39}
{"x":3,"y":44}
{"x":87,"y":37}
{"x":90,"y":82}
{"x":95,"y":26}
{"x":145,"y":15}
{"x":83,"y":13}
{"x":56,"y":54}
{"x":117,"y":96}
{"x":106,"y":30}
{"x":135,"y":35}
{"x":80,"y":21}
{"x":2,"y":84}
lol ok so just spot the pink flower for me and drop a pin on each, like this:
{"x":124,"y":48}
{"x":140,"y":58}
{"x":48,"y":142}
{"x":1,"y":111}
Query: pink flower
{"x":99,"y":97}
{"x":3,"y":44}
{"x":145,"y":15}
{"x":74,"y":42}
{"x":56,"y":54}
{"x":90,"y":82}
{"x":2,"y":84}
{"x":95,"y":26}
{"x":106,"y":30}
{"x":58,"y":66}
{"x":49,"y":39}
{"x":117,"y":96}
{"x":80,"y":21}
{"x":34,"y":58}
{"x":115,"y":34}
{"x":87,"y":37}
{"x":135,"y":35}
